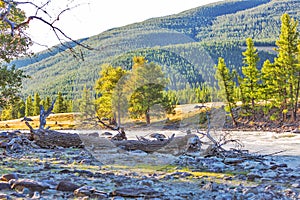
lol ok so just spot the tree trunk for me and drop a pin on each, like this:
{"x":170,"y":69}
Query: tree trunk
{"x":296,"y":101}
{"x":147,"y":115}
{"x":232,"y":115}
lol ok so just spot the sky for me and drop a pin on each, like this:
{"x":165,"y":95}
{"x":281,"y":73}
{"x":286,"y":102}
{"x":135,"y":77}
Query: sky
{"x":90,"y":17}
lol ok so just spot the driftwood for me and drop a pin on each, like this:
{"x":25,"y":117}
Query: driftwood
{"x":229,"y":156}
{"x":46,"y":138}
{"x":49,"y":139}
{"x":148,"y":146}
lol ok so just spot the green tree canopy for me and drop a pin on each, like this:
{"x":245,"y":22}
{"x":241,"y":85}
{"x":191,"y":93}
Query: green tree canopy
{"x":14,"y":43}
{"x":147,"y":82}
{"x":105,"y":87}
{"x":10,"y":85}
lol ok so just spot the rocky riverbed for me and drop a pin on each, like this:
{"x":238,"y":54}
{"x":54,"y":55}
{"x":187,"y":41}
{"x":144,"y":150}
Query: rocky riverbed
{"x":28,"y":171}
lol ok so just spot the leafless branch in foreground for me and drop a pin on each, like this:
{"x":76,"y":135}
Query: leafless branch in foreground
{"x":17,"y":27}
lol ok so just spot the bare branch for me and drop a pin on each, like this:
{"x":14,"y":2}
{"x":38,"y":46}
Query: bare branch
{"x":38,"y":8}
{"x":58,"y":30}
{"x":60,"y":35}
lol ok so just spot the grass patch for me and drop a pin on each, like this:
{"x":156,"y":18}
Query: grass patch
{"x":143,"y":168}
{"x":288,"y":135}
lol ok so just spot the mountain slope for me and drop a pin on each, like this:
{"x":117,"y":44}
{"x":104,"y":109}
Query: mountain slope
{"x":179,"y":34}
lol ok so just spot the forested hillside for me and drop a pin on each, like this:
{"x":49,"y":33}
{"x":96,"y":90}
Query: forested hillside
{"x":187,"y":45}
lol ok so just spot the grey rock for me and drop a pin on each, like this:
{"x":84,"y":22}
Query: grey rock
{"x":117,"y":198}
{"x":219,"y":165}
{"x":270,"y":174}
{"x":136,"y":192}
{"x":95,"y":134}
{"x":67,"y":186}
{"x":90,"y":192}
{"x":5,"y":196}
{"x":148,"y":183}
{"x":30,"y":184}
{"x":252,"y":176}
{"x":296,"y":185}
{"x":138,"y":153}
{"x":36,"y":195}
{"x":233,"y":161}
{"x":210,"y":186}
{"x":227,"y":196}
{"x":4,"y":185}
{"x":107,"y":134}
{"x":252,"y":190}
{"x":26,"y":191}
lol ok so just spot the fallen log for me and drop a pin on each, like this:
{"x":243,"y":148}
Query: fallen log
{"x":148,"y":146}
{"x":46,"y":138}
{"x":50,"y":139}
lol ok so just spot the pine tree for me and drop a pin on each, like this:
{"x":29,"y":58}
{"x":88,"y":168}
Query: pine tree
{"x":21,"y":110}
{"x":69,"y":106}
{"x":47,"y":103}
{"x":226,"y":83}
{"x":287,"y":61}
{"x":272,"y":87}
{"x":59,"y":106}
{"x":86,"y":104}
{"x":147,"y":82}
{"x":29,"y":106}
{"x":36,"y":104}
{"x":282,"y":77}
{"x":250,"y":84}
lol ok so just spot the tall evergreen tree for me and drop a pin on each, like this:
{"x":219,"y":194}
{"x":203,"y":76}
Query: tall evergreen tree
{"x":36,"y":104}
{"x":282,"y":78}
{"x":86,"y":104}
{"x":29,"y":106}
{"x":21,"y":110}
{"x":59,"y":106}
{"x":250,"y":84}
{"x":287,"y":60}
{"x":226,"y":83}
